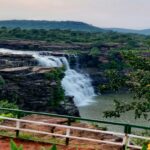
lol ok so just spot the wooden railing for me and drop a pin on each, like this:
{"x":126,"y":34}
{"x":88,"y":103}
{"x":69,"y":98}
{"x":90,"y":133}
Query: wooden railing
{"x":126,"y":136}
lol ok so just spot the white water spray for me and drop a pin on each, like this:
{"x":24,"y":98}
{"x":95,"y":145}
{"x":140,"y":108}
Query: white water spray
{"x":78,"y":85}
{"x":74,"y":83}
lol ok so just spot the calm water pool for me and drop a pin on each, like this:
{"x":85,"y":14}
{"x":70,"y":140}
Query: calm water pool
{"x":105,"y":102}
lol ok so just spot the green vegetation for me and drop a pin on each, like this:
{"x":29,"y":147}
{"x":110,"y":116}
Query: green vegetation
{"x":55,"y":76}
{"x":13,"y":146}
{"x":138,"y":81}
{"x":2,"y":81}
{"x":56,"y":36}
{"x":95,"y":51}
{"x":114,"y":72}
{"x":100,"y":127}
{"x":120,"y":60}
{"x":6,"y":104}
{"x":116,"y":80}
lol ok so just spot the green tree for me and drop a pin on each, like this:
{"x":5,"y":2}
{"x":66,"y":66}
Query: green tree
{"x":94,"y":51}
{"x":139,"y":83}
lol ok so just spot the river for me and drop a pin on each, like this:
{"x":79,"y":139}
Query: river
{"x":106,"y":102}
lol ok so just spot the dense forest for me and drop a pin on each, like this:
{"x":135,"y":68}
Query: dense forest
{"x":124,"y":41}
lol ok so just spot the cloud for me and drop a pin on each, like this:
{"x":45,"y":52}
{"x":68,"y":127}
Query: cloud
{"x":105,"y":13}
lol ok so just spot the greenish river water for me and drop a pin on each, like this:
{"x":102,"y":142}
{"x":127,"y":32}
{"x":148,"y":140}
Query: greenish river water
{"x":105,"y":102}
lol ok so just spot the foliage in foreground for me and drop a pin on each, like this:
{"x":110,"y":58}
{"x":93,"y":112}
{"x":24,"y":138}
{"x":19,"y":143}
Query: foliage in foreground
{"x":13,"y":146}
{"x":138,"y":80}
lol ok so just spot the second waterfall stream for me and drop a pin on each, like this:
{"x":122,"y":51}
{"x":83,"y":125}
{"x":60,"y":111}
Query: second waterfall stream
{"x":74,"y":83}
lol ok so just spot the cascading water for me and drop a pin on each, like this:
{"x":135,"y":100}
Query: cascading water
{"x":74,"y":83}
{"x":77,"y":85}
{"x":48,"y":61}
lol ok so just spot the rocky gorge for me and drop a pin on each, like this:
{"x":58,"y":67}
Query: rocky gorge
{"x":34,"y":81}
{"x":33,"y":87}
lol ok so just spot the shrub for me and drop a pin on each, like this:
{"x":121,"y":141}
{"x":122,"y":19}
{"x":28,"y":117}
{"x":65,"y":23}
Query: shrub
{"x":6,"y":104}
{"x":2,"y":81}
{"x":13,"y":146}
{"x":94,"y":51}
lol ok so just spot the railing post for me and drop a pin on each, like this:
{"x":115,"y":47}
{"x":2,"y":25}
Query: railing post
{"x":18,"y":125}
{"x":69,"y":124}
{"x":52,"y":131}
{"x":127,"y":130}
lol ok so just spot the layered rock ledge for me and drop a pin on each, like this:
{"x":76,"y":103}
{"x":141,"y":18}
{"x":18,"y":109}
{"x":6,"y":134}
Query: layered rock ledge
{"x":8,"y":60}
{"x":29,"y":88}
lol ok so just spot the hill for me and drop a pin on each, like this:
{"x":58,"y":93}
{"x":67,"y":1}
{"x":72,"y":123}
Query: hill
{"x":63,"y":25}
{"x":121,"y":30}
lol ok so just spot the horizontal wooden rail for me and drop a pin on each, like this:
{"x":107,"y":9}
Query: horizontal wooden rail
{"x":125,"y":137}
{"x":74,"y":118}
{"x":61,"y":126}
{"x":68,"y":128}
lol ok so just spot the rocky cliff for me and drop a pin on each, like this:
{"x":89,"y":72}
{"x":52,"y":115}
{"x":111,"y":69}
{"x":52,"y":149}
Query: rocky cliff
{"x":15,"y":60}
{"x":46,"y":46}
{"x":32,"y":87}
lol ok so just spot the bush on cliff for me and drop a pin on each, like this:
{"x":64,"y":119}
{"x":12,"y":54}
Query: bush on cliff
{"x":2,"y":81}
{"x":6,"y":104}
{"x":55,"y":76}
{"x":95,"y":51}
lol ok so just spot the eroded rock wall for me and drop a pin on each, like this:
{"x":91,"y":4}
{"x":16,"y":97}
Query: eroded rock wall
{"x":32,"y":87}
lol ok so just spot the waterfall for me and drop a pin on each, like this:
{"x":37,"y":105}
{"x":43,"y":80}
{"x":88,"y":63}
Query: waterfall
{"x":77,"y":85}
{"x":74,"y":83}
{"x":48,"y":61}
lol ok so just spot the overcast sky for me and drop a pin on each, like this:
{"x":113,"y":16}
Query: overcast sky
{"x":102,"y":13}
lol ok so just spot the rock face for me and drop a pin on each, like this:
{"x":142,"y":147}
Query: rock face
{"x":16,"y":60}
{"x":45,"y":46}
{"x":40,"y":45}
{"x":91,"y":65}
{"x":30,"y":89}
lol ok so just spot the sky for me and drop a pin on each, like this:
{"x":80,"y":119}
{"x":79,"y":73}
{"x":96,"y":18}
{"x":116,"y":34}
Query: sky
{"x":134,"y":14}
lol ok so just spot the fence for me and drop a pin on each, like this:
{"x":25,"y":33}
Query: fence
{"x":126,"y":136}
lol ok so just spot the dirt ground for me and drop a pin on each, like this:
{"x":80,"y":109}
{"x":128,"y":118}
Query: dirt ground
{"x":74,"y":144}
{"x":29,"y":145}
